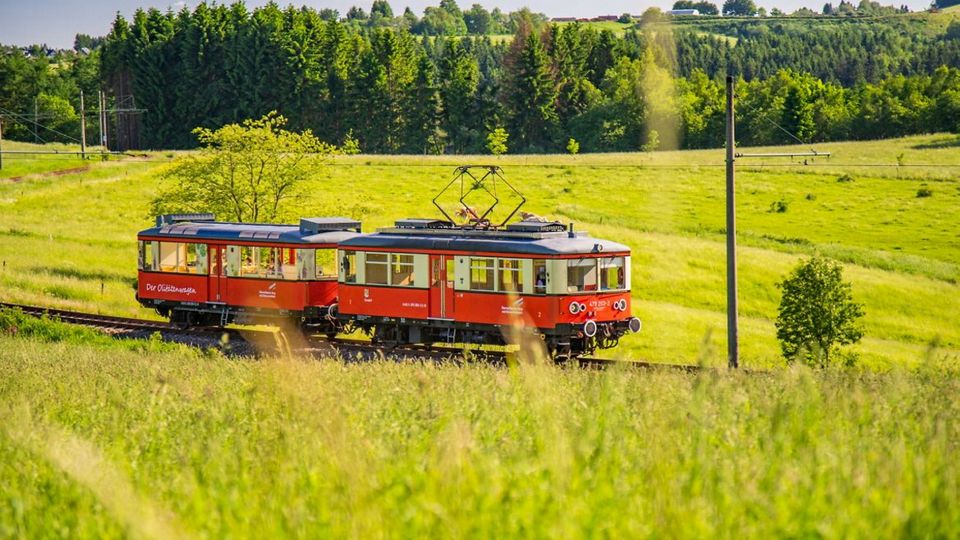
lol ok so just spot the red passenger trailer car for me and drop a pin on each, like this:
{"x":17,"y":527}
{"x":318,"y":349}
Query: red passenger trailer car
{"x":198,"y":271}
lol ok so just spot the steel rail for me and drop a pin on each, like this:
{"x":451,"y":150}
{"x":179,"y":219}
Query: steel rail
{"x":347,"y":349}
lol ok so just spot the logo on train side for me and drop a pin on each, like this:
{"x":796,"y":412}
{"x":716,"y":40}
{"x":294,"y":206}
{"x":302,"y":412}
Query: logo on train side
{"x":167,"y":288}
{"x":366,"y":295}
{"x":269,"y":292}
{"x":516,"y":308}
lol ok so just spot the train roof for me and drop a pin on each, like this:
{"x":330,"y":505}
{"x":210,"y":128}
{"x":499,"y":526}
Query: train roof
{"x":329,"y":230}
{"x":523,"y":238}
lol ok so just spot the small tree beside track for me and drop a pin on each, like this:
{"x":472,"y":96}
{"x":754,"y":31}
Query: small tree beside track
{"x":249,"y":172}
{"x":817,"y":313}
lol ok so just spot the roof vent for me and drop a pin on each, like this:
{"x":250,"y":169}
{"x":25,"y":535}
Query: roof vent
{"x":418,"y":223}
{"x":310,"y":226}
{"x":172,"y":219}
{"x":536,"y":226}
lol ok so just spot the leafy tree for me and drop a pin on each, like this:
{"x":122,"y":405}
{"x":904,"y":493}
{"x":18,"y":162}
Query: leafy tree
{"x":817,"y":313}
{"x":437,"y":21}
{"x":478,"y":20}
{"x":251,"y":171}
{"x":573,"y":147}
{"x":744,"y":8}
{"x":356,"y":13}
{"x":381,"y":8}
{"x":497,"y":141}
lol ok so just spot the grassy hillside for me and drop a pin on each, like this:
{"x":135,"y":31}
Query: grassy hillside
{"x":68,"y":240}
{"x":109,"y":443}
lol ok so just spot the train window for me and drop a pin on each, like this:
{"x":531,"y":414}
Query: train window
{"x":348,"y":265}
{"x":191,"y":263}
{"x":248,"y":261}
{"x":146,"y":256}
{"x":581,"y":275}
{"x":401,"y":270}
{"x":376,"y":269}
{"x":481,"y":275}
{"x":612,"y":274}
{"x":325,"y":260}
{"x":511,"y":275}
{"x":539,"y":276}
{"x":182,"y":258}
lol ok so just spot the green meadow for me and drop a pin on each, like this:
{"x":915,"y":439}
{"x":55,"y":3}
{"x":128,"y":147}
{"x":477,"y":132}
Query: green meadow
{"x":66,"y":240}
{"x":101,"y":441}
{"x":105,"y":438}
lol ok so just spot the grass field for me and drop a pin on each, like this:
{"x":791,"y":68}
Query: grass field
{"x":101,"y":438}
{"x":67,"y":240}
{"x":98,"y":441}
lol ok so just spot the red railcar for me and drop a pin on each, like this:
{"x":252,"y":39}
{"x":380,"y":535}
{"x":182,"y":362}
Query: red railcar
{"x":430,"y":281}
{"x":198,"y":271}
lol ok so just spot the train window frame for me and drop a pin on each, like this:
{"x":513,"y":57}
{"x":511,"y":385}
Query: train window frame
{"x":147,"y":260}
{"x":515,"y":273}
{"x":540,"y":285}
{"x":486,"y":265}
{"x":187,"y":258}
{"x":610,"y":263}
{"x":580,"y":285}
{"x":402,"y":267}
{"x":348,"y":267}
{"x":379,"y":263}
{"x":324,"y":264}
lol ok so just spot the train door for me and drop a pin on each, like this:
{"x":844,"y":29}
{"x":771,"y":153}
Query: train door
{"x":441,"y":286}
{"x":218,"y":272}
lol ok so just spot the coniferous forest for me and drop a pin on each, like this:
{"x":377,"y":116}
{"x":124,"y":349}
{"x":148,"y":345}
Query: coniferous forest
{"x":403,"y":84}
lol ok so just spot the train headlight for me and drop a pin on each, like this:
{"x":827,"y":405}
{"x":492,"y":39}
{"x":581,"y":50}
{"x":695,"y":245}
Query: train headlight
{"x":620,"y":305}
{"x":634,"y":325}
{"x":574,"y":307}
{"x":590,"y":328}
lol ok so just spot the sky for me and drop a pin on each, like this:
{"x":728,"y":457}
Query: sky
{"x":55,"y":22}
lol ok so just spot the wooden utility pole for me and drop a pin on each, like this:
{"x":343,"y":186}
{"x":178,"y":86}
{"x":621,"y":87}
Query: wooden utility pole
{"x":733,"y":345}
{"x":83,"y":129}
{"x":1,"y":142}
{"x":102,"y":116}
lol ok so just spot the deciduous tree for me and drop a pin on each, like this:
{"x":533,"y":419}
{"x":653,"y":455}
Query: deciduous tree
{"x":249,"y":172}
{"x":817,"y":313}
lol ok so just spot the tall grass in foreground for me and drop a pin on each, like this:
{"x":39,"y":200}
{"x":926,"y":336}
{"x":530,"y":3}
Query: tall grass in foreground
{"x":211,"y":447}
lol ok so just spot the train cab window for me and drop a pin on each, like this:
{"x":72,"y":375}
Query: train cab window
{"x":539,"y":276}
{"x":612,"y":275}
{"x":146,"y":256}
{"x":401,"y":270}
{"x":481,"y":275}
{"x":377,"y":269}
{"x":581,"y":275}
{"x":510,"y":274}
{"x":325,"y":261}
{"x":348,"y":265}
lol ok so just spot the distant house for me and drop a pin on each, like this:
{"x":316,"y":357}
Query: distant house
{"x":606,"y":18}
{"x":683,"y":12}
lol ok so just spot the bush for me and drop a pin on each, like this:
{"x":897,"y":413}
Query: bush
{"x":924,"y":192}
{"x":845,"y":178}
{"x":817,"y":313}
{"x":779,"y":207}
{"x":573,"y":147}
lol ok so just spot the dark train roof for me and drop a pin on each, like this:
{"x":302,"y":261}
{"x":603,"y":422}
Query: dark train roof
{"x":528,"y":239}
{"x":202,"y":226}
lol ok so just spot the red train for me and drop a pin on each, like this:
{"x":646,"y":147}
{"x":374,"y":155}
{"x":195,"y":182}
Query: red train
{"x":422,"y":281}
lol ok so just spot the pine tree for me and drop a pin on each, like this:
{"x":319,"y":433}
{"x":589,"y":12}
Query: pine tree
{"x":531,"y":93}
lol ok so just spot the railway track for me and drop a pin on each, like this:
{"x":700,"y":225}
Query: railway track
{"x":250,"y":342}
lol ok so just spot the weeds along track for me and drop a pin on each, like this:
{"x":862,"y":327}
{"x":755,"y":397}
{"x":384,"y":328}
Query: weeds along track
{"x":253,"y":342}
